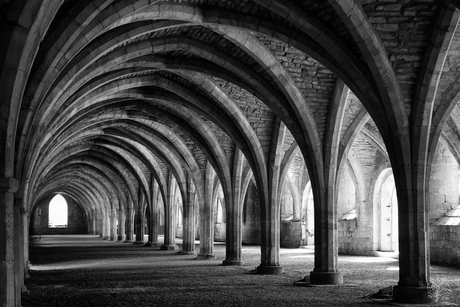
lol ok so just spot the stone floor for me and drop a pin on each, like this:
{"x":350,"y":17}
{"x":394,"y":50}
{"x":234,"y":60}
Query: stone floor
{"x":83,"y":270}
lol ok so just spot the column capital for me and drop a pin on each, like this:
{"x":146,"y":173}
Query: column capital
{"x":9,"y":185}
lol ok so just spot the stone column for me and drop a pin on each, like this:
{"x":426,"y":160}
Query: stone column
{"x":18,"y":248}
{"x":325,"y":198}
{"x":89,"y":219}
{"x":188,"y":213}
{"x":233,"y":239}
{"x":89,"y":222}
{"x":100,"y":224}
{"x":233,"y":205}
{"x":121,"y":224}
{"x":139,"y":225}
{"x":25,"y":225}
{"x":153,"y":216}
{"x":326,"y":242}
{"x":129,"y":223}
{"x":207,"y":218}
{"x":270,"y":207}
{"x":170,"y":227}
{"x":93,"y":222}
{"x":270,"y":237}
{"x":139,"y":219}
{"x":105,"y":225}
{"x":113,"y":225}
{"x":414,"y":258}
{"x":8,"y":186}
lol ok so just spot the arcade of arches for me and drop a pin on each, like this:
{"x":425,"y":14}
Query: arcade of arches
{"x":283,"y":123}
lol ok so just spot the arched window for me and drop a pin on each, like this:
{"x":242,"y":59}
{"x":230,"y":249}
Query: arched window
{"x":219,"y":211}
{"x":58,"y":216}
{"x":308,"y":217}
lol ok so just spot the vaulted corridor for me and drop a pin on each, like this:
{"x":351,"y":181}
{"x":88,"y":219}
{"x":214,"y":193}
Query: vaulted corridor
{"x":332,"y":124}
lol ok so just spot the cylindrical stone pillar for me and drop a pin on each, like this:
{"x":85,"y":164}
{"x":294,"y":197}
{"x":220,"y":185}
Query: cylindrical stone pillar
{"x":129,"y":224}
{"x":153,"y":216}
{"x":25,"y":225}
{"x":89,"y":222}
{"x":233,"y":239}
{"x":7,"y":188}
{"x":270,"y":247}
{"x":207,"y":219}
{"x":105,"y":225}
{"x":113,"y":226}
{"x":234,"y":210}
{"x":139,"y":219}
{"x":414,"y":251}
{"x":326,"y":242}
{"x":170,"y":227}
{"x":270,"y":211}
{"x":93,"y":222}
{"x":139,"y":225}
{"x":99,"y":229}
{"x":188,"y":213}
{"x":18,"y":249}
{"x":121,"y":225}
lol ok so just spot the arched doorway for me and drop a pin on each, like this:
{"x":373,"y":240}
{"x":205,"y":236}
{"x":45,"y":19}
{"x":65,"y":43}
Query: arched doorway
{"x":386,"y":212}
{"x":58,"y":212}
{"x":308,"y":218}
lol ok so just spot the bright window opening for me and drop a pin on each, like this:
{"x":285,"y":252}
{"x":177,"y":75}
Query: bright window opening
{"x":58,"y":215}
{"x":388,"y":203}
{"x":219,"y":211}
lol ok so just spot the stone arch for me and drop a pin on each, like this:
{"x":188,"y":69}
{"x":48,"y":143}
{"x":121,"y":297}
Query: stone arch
{"x":98,"y":161}
{"x":215,"y":147}
{"x":102,"y":185}
{"x":26,"y":28}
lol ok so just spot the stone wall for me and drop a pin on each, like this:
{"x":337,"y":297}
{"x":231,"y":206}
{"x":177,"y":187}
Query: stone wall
{"x":251,"y":217}
{"x":290,"y":234}
{"x":76,"y":219}
{"x":179,"y":231}
{"x":352,"y":239}
{"x":220,"y":232}
{"x":354,"y":234}
{"x":346,"y":200}
{"x":287,"y":204}
{"x":445,"y":244}
{"x":444,"y":183}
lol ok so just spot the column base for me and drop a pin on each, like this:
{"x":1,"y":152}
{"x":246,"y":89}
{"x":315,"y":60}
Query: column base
{"x":412,"y":295}
{"x":206,"y":256}
{"x":172,"y":247}
{"x":187,"y":252}
{"x":128,"y":241}
{"x":270,"y":269}
{"x":235,"y":262}
{"x":326,"y":278}
{"x":150,"y":244}
{"x":138,"y":242}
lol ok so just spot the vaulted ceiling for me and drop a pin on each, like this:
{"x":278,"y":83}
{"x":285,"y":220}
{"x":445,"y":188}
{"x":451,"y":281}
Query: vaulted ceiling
{"x":124,"y":92}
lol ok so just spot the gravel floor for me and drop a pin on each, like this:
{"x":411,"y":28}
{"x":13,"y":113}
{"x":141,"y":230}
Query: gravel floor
{"x":83,"y":270}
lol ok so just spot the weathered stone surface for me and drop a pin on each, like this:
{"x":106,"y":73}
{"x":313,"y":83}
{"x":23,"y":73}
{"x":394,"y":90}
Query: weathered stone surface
{"x":102,"y":101}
